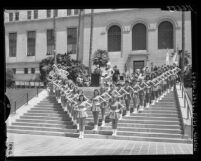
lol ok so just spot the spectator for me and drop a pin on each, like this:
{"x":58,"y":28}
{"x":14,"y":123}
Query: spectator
{"x":116,"y":73}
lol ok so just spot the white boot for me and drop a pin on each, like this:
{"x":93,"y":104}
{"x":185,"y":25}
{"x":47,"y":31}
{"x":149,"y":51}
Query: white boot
{"x":114,"y":132}
{"x":103,"y":123}
{"x":59,"y":100}
{"x":120,"y":117}
{"x":135,"y":110}
{"x":141,"y":108}
{"x":95,"y":128}
{"x":78,"y":126}
{"x":80,"y":135}
{"x":127,"y":113}
{"x":153,"y":102}
{"x":147,"y":105}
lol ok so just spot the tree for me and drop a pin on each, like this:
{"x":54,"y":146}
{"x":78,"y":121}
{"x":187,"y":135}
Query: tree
{"x":9,"y":78}
{"x":74,"y":67}
{"x":100,"y":58}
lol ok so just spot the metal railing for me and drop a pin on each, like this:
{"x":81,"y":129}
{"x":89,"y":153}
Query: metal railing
{"x":24,"y":99}
{"x":187,"y":106}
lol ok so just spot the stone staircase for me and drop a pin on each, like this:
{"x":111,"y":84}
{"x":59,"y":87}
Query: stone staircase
{"x":159,"y":123}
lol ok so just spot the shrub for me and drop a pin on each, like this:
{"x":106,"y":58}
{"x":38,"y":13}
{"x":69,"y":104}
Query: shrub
{"x":9,"y":78}
{"x":100,"y":58}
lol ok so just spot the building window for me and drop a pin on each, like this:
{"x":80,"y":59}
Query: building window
{"x":55,"y":13}
{"x":50,"y":42}
{"x":114,"y":38}
{"x":16,"y":16}
{"x":35,"y":14}
{"x":76,"y":11}
{"x":32,"y":70}
{"x":139,"y":37}
{"x":25,"y":70}
{"x":71,"y":40}
{"x":12,"y":44}
{"x":165,"y":35}
{"x":31,"y":42}
{"x":28,"y":15}
{"x":10,"y":16}
{"x":14,"y":70}
{"x":68,"y":12}
{"x":48,"y":13}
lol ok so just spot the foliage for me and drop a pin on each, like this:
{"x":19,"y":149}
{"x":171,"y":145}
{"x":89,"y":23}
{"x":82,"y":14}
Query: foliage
{"x":100,"y":58}
{"x":73,"y":67}
{"x":9,"y":78}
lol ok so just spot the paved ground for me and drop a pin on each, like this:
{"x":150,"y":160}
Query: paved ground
{"x":37,"y":145}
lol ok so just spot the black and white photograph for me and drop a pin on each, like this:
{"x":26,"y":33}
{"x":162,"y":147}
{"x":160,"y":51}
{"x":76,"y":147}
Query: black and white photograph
{"x":92,"y":82}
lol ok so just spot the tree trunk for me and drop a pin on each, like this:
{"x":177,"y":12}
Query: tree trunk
{"x":91,"y":39}
{"x":78,"y":35}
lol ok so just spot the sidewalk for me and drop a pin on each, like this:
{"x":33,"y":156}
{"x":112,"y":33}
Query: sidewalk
{"x":37,"y":145}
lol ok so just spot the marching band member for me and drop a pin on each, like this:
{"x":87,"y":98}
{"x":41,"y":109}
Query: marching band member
{"x":115,"y":107}
{"x":81,"y":115}
{"x":127,"y":97}
{"x":141,"y":95}
{"x":103,"y":106}
{"x":95,"y":109}
{"x":135,"y":96}
{"x":121,"y":100}
{"x":154,"y":89}
{"x":148,"y":92}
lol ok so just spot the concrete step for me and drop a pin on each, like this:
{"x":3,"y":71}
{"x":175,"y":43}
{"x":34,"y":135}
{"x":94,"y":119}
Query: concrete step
{"x":154,"y":130}
{"x":153,"y":115}
{"x":48,"y":109}
{"x":149,"y":125}
{"x":61,"y":122}
{"x":160,"y":111}
{"x":150,"y":118}
{"x":48,"y":105}
{"x":138,"y":138}
{"x":17,"y":131}
{"x":161,"y":108}
{"x":45,"y":111}
{"x":46,"y":114}
{"x":148,"y":134}
{"x":148,"y":121}
{"x":36,"y":128}
{"x":45,"y":118}
{"x":44,"y":125}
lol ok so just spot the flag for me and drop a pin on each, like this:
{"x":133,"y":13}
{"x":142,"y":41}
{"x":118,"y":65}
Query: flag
{"x":167,"y":60}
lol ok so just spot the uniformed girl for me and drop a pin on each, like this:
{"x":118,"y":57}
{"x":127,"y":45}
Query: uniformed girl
{"x":81,"y":115}
{"x":114,"y":115}
{"x":148,"y":92}
{"x":95,"y":109}
{"x":103,"y":106}
{"x":127,"y":98}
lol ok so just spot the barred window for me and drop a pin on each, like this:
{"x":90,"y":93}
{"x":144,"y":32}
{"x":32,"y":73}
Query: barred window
{"x":10,"y":16}
{"x":48,"y":13}
{"x":50,"y":41}
{"x":114,"y":38}
{"x":25,"y":70}
{"x":28,"y":15}
{"x":32,"y":70}
{"x":35,"y":14}
{"x":165,"y":35}
{"x":55,"y":13}
{"x":139,"y":37}
{"x":12,"y":44}
{"x":76,"y":11}
{"x":71,"y":40}
{"x":69,"y":12}
{"x":16,"y":16}
{"x":14,"y":70}
{"x":31,"y":42}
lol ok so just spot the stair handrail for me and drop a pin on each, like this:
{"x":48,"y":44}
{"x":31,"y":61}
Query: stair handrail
{"x":187,"y":106}
{"x":187,"y":101}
